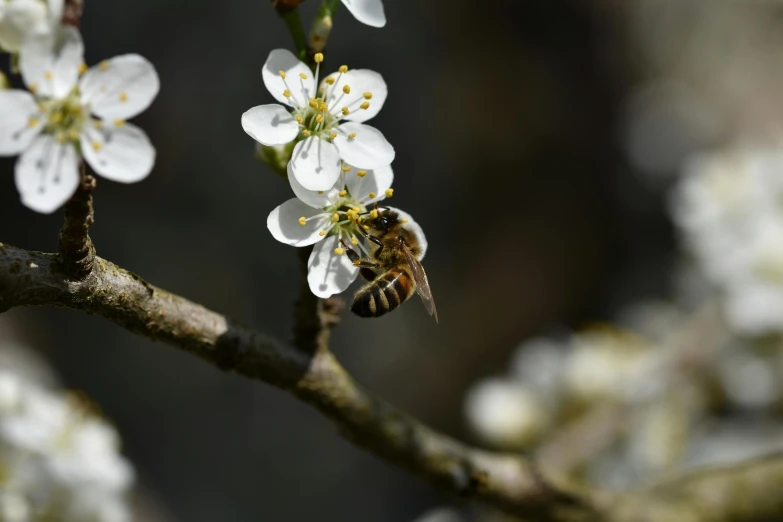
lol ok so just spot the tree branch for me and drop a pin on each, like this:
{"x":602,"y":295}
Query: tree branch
{"x":310,"y":372}
{"x":77,"y":252}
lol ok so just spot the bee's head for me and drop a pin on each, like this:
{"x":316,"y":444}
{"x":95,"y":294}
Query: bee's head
{"x":386,"y":219}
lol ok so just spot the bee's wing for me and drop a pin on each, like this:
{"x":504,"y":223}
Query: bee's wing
{"x":422,"y":285}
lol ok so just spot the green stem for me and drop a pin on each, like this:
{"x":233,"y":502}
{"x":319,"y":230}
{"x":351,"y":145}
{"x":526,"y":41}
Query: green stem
{"x":293,"y":23}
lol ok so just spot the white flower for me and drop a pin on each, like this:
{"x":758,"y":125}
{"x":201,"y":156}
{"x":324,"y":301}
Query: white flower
{"x":728,"y":205}
{"x":66,"y":117}
{"x":504,"y":413}
{"x":368,"y":12}
{"x":20,"y":19}
{"x":327,"y":217}
{"x":329,"y":123}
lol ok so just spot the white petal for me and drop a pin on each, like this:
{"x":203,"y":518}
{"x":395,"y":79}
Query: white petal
{"x":56,"y":11}
{"x":122,"y":154}
{"x":301,"y":89}
{"x":312,"y":197}
{"x":47,"y":174}
{"x":416,"y":228}
{"x":120,"y":88}
{"x":270,"y":124}
{"x":327,"y":272}
{"x":374,"y":182}
{"x":50,"y":62}
{"x":16,"y":132}
{"x":19,"y":20}
{"x":283,"y":223}
{"x":316,"y":164}
{"x":368,"y":12}
{"x":367,"y":150}
{"x":360,"y":81}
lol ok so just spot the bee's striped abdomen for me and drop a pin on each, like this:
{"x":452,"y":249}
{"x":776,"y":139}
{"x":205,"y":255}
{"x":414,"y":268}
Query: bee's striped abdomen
{"x":388,"y":291}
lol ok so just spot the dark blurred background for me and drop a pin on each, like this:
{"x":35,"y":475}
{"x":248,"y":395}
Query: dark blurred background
{"x":505,"y":116}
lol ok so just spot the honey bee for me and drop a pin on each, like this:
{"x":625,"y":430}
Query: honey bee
{"x":393,"y":268}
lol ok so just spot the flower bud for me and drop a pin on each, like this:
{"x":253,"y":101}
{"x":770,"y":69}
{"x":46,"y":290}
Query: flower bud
{"x":276,"y":156}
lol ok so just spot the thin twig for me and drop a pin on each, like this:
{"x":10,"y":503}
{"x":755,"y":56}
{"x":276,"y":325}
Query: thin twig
{"x":77,"y":252}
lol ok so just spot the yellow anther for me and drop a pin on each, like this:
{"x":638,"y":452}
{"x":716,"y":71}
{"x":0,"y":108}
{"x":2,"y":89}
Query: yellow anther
{"x":372,"y":195}
{"x":73,"y":135}
{"x":346,"y":169}
{"x":333,"y":136}
{"x":48,"y":75}
{"x":342,"y":193}
{"x":299,"y":120}
{"x":319,"y":57}
{"x":343,"y":69}
{"x":96,"y":146}
{"x":303,"y":76}
{"x":303,"y":221}
{"x":305,"y":132}
{"x":103,"y":65}
{"x":345,"y":111}
{"x":404,"y":220}
{"x":55,"y":118}
{"x":313,"y":103}
{"x":319,"y":118}
{"x":123,"y":97}
{"x":32,"y":122}
{"x":335,"y":217}
{"x":287,"y":93}
{"x":347,"y":89}
{"x":366,"y":227}
{"x":320,"y":191}
{"x":282,"y":74}
{"x":351,"y":214}
{"x":330,"y":80}
{"x":365,"y":105}
{"x":98,"y":124}
{"x":389,"y":192}
{"x":351,"y":135}
{"x":354,"y":241}
{"x":374,"y":214}
{"x":367,"y":95}
{"x":361,"y":173}
{"x":339,"y":251}
{"x":322,"y":233}
{"x":322,"y":105}
{"x":33,"y":87}
{"x":119,"y":123}
{"x":82,"y":68}
{"x":356,"y":209}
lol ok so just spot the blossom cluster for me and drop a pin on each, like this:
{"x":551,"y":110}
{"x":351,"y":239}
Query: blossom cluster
{"x":59,"y":460}
{"x":340,"y":167}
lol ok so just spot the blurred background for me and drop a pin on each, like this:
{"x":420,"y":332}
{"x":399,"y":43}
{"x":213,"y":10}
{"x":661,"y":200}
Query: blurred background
{"x":574,"y":165}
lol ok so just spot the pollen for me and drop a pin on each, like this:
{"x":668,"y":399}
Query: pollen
{"x":365,"y":105}
{"x":372,"y":195}
{"x":361,"y":173}
{"x":366,"y":227}
{"x":313,"y":103}
{"x":303,"y":76}
{"x":354,"y":241}
{"x":55,"y":118}
{"x":404,"y":220}
{"x":374,"y":213}
{"x":97,"y":146}
{"x":105,"y":65}
{"x":287,"y":93}
{"x":305,"y":132}
{"x":329,"y":80}
{"x":322,"y":233}
{"x":73,"y":135}
{"x":320,"y":191}
{"x":318,"y":58}
{"x":48,"y":75}
{"x":367,"y":95}
{"x":123,"y":97}
{"x":335,"y":217}
{"x":342,"y":193}
{"x":347,"y":89}
{"x":333,"y":136}
{"x":82,"y":68}
{"x":299,"y":120}
{"x":351,"y":135}
{"x":319,"y":118}
{"x":345,"y":111}
{"x":343,"y":69}
{"x":346,"y":169}
{"x":119,"y":123}
{"x":339,"y":251}
{"x":303,"y":221}
{"x":389,"y":192}
{"x":282,"y":74}
{"x":33,"y":87}
{"x":356,"y":209}
{"x":98,"y":124}
{"x":32,"y":122}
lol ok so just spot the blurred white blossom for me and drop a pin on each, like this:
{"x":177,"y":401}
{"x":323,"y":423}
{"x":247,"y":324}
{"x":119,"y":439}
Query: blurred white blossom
{"x":21,"y":19}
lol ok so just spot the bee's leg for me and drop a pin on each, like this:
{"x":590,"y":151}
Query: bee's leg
{"x":371,"y":238}
{"x":356,"y":258}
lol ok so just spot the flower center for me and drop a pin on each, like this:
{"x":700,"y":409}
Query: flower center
{"x":64,"y":118}
{"x":315,"y":119}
